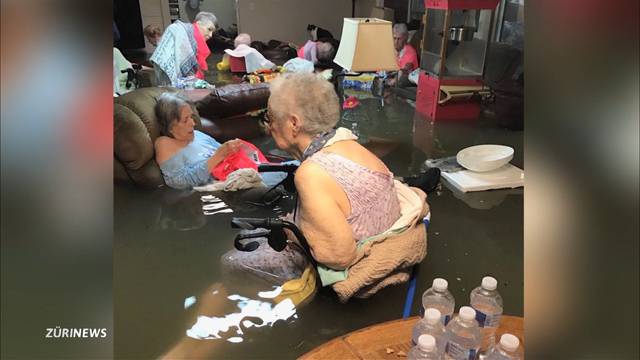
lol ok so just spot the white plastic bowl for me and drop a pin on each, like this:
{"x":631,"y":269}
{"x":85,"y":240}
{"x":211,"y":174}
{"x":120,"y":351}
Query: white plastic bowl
{"x":483,"y":158}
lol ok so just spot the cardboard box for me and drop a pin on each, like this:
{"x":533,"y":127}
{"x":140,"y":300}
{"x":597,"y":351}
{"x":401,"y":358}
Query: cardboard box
{"x":382,"y":13}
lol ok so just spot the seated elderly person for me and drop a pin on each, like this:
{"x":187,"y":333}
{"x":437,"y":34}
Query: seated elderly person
{"x":318,"y":52}
{"x":254,"y":60}
{"x":186,"y":156}
{"x":346,"y":193}
{"x":242,"y":38}
{"x":153,"y":33}
{"x":182,"y":51}
{"x":406,"y":55}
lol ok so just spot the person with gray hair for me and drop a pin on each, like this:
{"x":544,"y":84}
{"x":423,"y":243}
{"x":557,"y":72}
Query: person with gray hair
{"x":325,"y":52}
{"x":242,"y":38}
{"x":345,"y":192}
{"x":400,"y":28}
{"x":186,"y":156}
{"x":207,"y":22}
{"x":406,"y":55}
{"x":182,"y":51}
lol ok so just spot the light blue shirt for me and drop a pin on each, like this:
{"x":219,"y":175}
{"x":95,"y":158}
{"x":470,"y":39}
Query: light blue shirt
{"x":188,"y":167}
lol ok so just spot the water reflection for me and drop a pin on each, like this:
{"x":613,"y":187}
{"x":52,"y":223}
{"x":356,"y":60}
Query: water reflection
{"x":253,"y":313}
{"x":188,"y":210}
{"x":180,"y":211}
{"x":483,"y":200}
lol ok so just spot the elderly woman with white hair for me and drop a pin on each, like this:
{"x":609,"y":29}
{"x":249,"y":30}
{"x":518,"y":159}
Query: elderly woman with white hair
{"x":346,"y":193}
{"x":183,"y":50}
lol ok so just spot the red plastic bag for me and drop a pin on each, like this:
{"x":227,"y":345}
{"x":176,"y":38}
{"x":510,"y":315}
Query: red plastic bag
{"x":248,"y":157}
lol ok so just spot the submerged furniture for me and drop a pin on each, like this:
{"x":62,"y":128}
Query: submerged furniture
{"x":454,"y":47}
{"x":374,"y":342}
{"x":224,"y":117}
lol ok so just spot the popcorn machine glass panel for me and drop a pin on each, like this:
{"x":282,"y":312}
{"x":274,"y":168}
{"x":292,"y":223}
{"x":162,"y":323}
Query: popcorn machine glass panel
{"x":456,"y":36}
{"x":433,"y":41}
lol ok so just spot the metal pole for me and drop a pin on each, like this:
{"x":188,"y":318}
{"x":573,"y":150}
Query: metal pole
{"x":499,"y":17}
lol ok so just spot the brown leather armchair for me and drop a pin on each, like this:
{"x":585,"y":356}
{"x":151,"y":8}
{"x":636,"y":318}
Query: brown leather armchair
{"x":224,"y":116}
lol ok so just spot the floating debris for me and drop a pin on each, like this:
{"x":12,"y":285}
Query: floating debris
{"x":401,"y":354}
{"x":389,"y":351}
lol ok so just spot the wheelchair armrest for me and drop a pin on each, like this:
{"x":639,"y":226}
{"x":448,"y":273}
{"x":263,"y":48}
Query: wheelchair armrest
{"x":288,"y":168}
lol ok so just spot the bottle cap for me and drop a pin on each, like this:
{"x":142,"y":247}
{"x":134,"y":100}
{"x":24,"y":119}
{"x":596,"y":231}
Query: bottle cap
{"x":440,"y":284}
{"x":427,"y":342}
{"x":509,"y":342}
{"x":467,"y":313}
{"x":489,"y":283}
{"x":432,"y":315}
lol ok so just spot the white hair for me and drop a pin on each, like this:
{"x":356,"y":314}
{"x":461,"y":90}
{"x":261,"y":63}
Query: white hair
{"x":203,"y":16}
{"x":325,"y":51}
{"x":242,"y":38}
{"x":309,"y":96}
{"x":400,"y":28}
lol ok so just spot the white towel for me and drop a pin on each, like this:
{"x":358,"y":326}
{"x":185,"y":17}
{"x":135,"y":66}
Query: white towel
{"x":238,"y":180}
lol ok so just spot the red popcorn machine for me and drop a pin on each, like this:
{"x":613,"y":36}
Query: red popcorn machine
{"x":456,"y":38}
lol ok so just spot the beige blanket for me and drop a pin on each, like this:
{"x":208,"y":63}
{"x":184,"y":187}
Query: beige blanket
{"x":388,"y":260}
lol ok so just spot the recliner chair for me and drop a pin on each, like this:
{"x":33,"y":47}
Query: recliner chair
{"x":222,"y":115}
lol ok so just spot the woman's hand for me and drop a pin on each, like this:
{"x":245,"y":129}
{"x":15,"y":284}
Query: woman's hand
{"x":223,"y":151}
{"x":229,"y":147}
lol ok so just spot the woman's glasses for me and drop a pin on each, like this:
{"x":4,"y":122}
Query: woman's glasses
{"x":266,"y":118}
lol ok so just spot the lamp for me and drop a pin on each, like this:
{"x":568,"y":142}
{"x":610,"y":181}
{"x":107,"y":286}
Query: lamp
{"x":366,"y":45}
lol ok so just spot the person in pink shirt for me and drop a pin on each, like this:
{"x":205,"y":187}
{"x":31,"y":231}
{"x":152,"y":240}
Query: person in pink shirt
{"x":406,"y":55}
{"x":203,"y":29}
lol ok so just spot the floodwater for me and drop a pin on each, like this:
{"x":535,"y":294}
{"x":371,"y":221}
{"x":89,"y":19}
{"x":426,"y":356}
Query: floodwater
{"x":170,"y":292}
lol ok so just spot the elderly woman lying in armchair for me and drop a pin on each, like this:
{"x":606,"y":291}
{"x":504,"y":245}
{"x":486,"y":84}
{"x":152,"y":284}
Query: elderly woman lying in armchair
{"x":186,"y":156}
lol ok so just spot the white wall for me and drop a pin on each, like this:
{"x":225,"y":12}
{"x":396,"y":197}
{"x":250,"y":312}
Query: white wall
{"x":287,"y":20}
{"x":151,"y":12}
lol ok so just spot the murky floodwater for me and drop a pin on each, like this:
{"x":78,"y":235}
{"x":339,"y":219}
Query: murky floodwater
{"x":167,"y":270}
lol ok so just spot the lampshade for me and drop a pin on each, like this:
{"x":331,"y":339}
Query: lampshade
{"x":366,"y":45}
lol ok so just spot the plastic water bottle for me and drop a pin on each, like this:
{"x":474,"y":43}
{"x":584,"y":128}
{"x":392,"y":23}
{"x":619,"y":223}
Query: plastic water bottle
{"x":487,"y":303}
{"x":430,"y":324}
{"x":438,"y":297}
{"x":506,"y":349}
{"x":425,"y":350}
{"x":463,"y":336}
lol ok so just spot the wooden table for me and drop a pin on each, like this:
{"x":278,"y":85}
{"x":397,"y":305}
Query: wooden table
{"x":373,"y":341}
